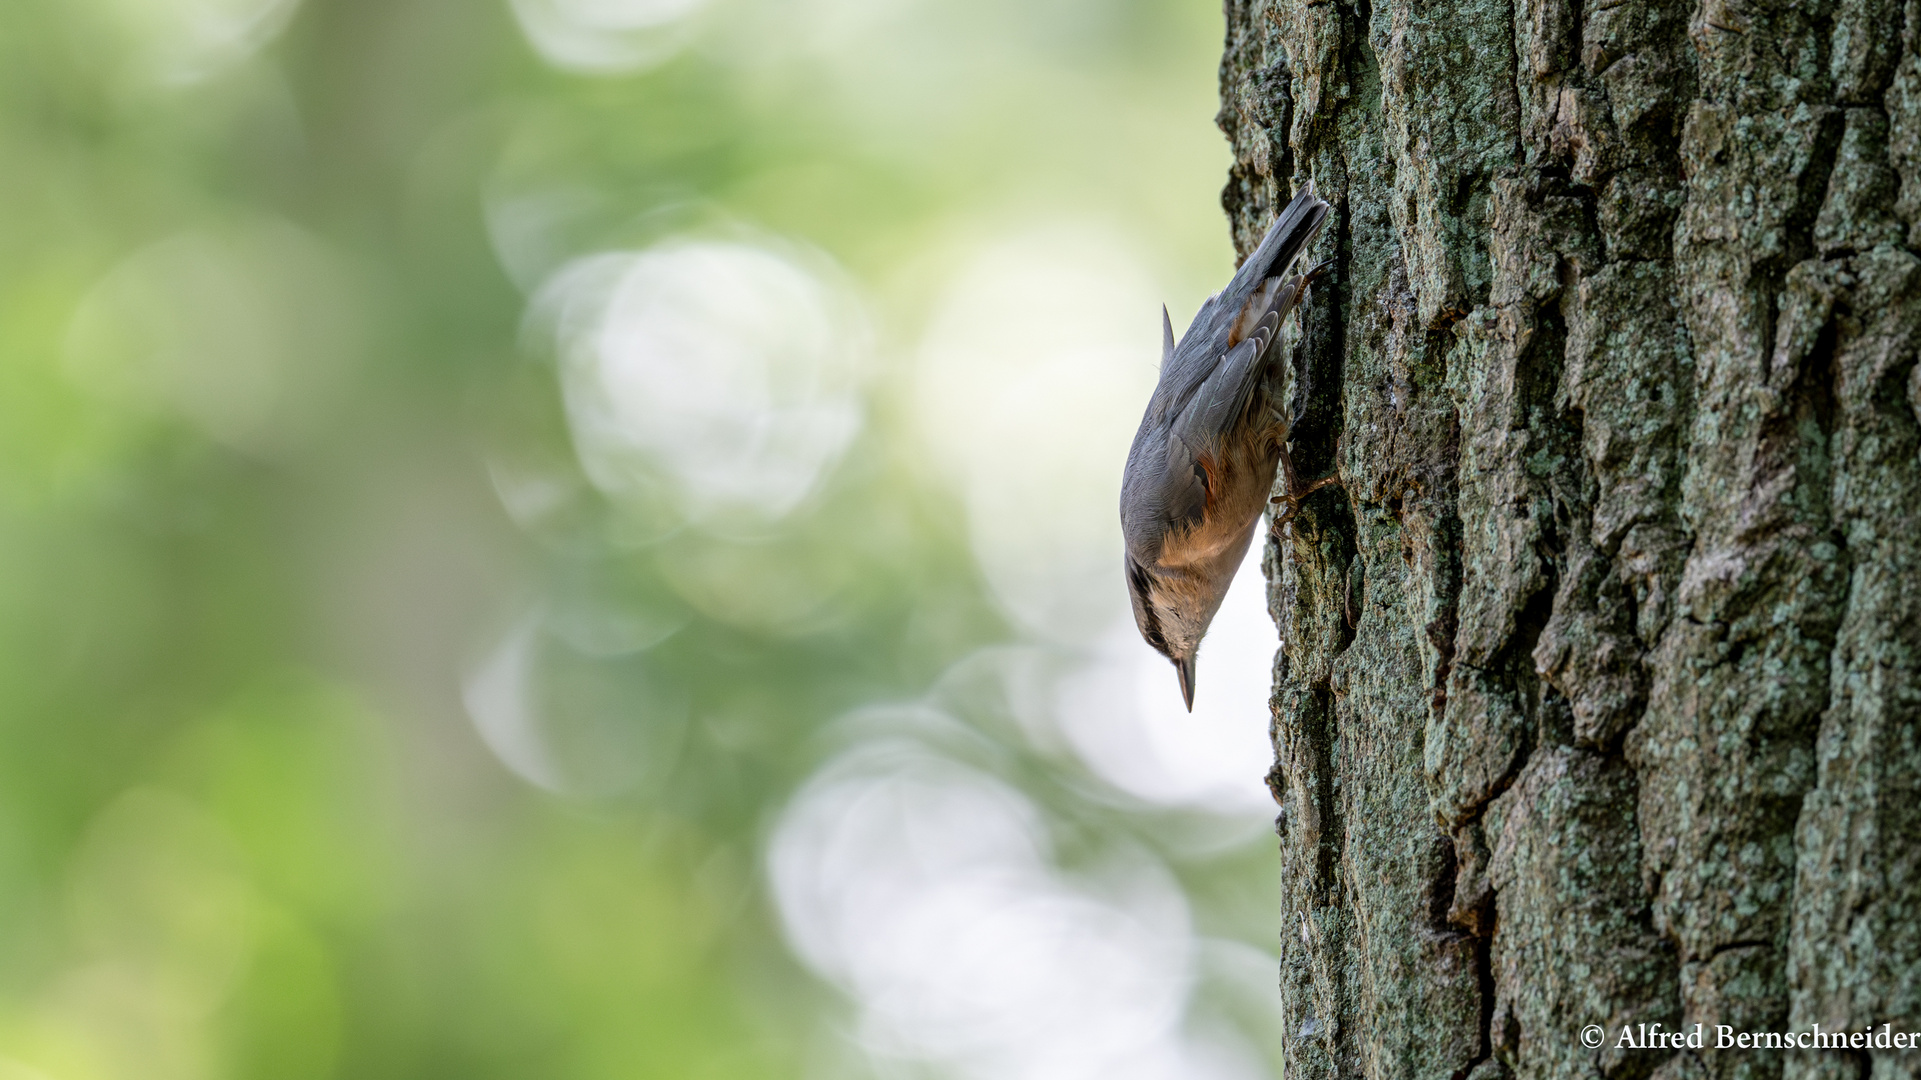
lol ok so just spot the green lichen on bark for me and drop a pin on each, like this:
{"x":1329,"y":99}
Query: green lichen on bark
{"x":1600,"y":694}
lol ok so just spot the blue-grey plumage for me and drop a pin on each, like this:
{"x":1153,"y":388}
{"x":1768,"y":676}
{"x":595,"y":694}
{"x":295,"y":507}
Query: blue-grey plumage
{"x":1203,"y":462}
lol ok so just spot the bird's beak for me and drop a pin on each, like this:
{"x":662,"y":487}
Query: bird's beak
{"x":1185,"y":665}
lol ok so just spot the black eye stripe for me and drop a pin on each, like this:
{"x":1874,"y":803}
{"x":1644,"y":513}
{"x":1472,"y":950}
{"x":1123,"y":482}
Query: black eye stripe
{"x":1150,"y":619}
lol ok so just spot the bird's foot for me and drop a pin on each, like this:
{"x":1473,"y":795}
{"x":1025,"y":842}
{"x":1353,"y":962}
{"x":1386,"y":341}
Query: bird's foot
{"x":1290,"y":503}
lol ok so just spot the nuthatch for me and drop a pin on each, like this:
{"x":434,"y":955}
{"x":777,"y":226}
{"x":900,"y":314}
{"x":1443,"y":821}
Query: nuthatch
{"x":1203,"y":462}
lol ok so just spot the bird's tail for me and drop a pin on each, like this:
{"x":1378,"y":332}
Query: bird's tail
{"x":1285,"y":240}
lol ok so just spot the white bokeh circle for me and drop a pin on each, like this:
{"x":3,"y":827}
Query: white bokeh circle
{"x":718,"y":376}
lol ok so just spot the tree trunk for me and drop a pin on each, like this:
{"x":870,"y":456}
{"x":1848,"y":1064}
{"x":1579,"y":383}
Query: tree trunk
{"x":1598,"y":693}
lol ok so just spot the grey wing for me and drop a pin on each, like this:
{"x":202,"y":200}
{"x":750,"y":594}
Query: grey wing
{"x":1163,"y":488}
{"x":1213,"y":332}
{"x":1219,"y":363}
{"x":1226,"y":394}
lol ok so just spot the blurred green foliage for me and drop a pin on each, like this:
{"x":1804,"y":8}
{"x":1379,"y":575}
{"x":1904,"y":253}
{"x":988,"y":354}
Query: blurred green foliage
{"x":262,"y":369}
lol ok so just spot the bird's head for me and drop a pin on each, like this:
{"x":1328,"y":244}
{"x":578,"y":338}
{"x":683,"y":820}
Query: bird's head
{"x":1173,"y":610}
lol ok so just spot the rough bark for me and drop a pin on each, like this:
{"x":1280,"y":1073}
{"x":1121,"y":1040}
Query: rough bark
{"x":1599,"y":699}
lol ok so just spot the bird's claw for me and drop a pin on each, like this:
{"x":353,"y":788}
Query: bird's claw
{"x":1290,"y":504}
